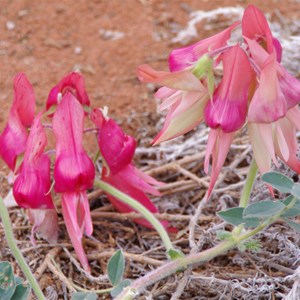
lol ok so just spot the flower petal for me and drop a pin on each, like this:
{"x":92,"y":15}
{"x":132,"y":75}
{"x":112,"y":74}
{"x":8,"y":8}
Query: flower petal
{"x":70,"y":209}
{"x":45,"y":222}
{"x":72,"y":83}
{"x":73,"y":169}
{"x":182,"y":80}
{"x":183,"y":58}
{"x":176,"y":125}
{"x":228,"y":107}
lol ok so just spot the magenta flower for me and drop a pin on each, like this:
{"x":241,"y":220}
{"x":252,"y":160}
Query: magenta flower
{"x":185,"y":97}
{"x":227,"y":111}
{"x":31,"y":188}
{"x":13,"y":138}
{"x":117,"y":150}
{"x":73,"y":83}
{"x":228,"y":108}
{"x":74,"y":172}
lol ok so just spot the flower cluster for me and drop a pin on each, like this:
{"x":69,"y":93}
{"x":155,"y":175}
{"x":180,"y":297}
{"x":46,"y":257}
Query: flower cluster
{"x":254,"y":89}
{"x":24,"y":151}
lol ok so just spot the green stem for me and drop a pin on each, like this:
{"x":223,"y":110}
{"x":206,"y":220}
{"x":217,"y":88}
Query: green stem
{"x":139,"y":208}
{"x":16,"y":251}
{"x":248,"y":185}
{"x":169,"y":268}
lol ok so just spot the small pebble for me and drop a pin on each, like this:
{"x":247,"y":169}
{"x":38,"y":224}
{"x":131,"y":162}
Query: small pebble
{"x":10,"y":25}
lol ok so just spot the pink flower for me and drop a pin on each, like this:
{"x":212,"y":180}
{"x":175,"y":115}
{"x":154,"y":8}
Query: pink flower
{"x":183,"y":58}
{"x":74,"y":171}
{"x":73,"y":83}
{"x":118,"y":170}
{"x":228,"y":108}
{"x":13,"y":138}
{"x":185,"y":97}
{"x":227,"y":111}
{"x":32,"y":186}
{"x":255,"y":27}
{"x":277,"y":91}
{"x":278,"y":138}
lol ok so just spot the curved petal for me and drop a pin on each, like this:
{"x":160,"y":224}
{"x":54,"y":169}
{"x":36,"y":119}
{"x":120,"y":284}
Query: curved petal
{"x":183,"y":58}
{"x":73,"y":169}
{"x":45,"y":222}
{"x":182,"y":80}
{"x":182,"y":123}
{"x":255,"y":26}
{"x":24,"y":100}
{"x":228,"y":107}
{"x":219,"y":146}
{"x":268,"y":103}
{"x":70,"y":209}
{"x":13,"y":141}
{"x":72,"y":83}
{"x":260,"y":150}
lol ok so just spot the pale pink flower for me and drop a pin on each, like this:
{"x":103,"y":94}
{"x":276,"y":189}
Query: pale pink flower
{"x":183,"y":95}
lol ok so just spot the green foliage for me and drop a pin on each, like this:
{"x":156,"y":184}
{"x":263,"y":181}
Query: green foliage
{"x":278,"y":181}
{"x":294,"y":211}
{"x":235,"y":216}
{"x":223,"y":235}
{"x":115,"y":268}
{"x":11,"y":287}
{"x":119,"y":288}
{"x":293,"y":225}
{"x":175,"y":254}
{"x":263,"y":209}
{"x":84,"y":296}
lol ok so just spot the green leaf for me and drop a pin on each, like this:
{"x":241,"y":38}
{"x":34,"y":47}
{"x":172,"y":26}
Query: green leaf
{"x":84,"y":296}
{"x":7,"y":280}
{"x":296,"y":190}
{"x":21,"y":292}
{"x":294,"y":211}
{"x":234,"y":216}
{"x":175,"y":254}
{"x":223,"y":235}
{"x":263,"y":209}
{"x":119,"y":288}
{"x":278,"y":181}
{"x":293,"y":225}
{"x":115,"y":267}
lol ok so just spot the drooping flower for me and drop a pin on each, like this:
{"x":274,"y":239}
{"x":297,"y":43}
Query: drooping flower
{"x":185,"y":97}
{"x":117,"y":150}
{"x":31,"y":188}
{"x":256,"y":27}
{"x":73,"y":83}
{"x":228,"y":108}
{"x":13,"y":138}
{"x":273,"y":112}
{"x":227,"y":111}
{"x":74,"y":172}
{"x":277,"y":91}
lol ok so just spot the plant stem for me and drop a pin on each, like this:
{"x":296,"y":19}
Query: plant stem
{"x":139,"y":208}
{"x":249,"y":184}
{"x":169,"y":268}
{"x":16,"y":251}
